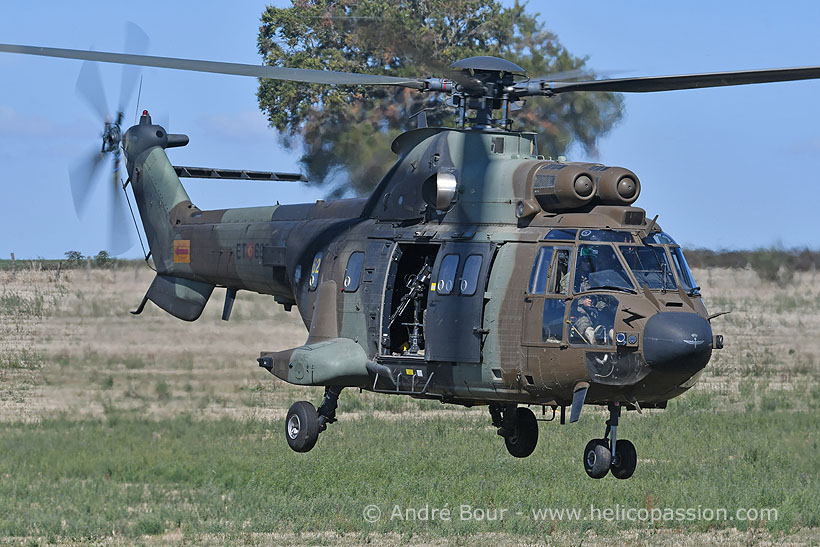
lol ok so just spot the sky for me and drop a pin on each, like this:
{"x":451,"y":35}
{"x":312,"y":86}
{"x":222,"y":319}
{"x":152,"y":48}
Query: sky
{"x":723,"y":168}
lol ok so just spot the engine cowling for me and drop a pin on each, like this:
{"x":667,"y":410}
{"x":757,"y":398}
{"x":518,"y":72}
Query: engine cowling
{"x":561,"y":186}
{"x":554,"y":186}
{"x":618,"y":186}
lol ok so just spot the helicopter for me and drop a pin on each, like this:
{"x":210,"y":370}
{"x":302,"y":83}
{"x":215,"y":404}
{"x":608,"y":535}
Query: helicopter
{"x":478,"y":272}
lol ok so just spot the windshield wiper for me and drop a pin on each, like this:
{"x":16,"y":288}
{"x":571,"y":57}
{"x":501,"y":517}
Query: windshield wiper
{"x":614,"y":288}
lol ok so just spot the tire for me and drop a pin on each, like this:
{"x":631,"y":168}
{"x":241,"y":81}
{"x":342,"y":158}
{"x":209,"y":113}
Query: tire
{"x":302,"y":426}
{"x":523,"y":442}
{"x":597,"y":458}
{"x":625,"y":461}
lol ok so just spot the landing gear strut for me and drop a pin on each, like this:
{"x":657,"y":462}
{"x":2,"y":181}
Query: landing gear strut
{"x":610,"y":453}
{"x":518,"y":426}
{"x":303,"y":422}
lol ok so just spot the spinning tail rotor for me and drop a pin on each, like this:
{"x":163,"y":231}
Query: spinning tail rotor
{"x":85,"y":174}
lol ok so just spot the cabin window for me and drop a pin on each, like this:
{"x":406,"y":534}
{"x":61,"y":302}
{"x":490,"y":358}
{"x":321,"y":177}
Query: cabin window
{"x":353,"y":273}
{"x":591,"y":320}
{"x":469,"y":277}
{"x":447,"y":275}
{"x":540,"y":271}
{"x":552,"y":326}
{"x":650,"y":266}
{"x":314,"y":271}
{"x":598,"y":267}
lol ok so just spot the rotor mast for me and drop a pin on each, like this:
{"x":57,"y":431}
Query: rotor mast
{"x":483,"y":85}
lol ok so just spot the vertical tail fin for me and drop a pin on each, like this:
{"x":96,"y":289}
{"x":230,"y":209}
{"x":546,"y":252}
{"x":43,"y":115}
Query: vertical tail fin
{"x":156,"y":187}
{"x":158,"y":190}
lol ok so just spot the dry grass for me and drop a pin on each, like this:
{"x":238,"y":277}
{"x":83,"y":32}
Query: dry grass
{"x":772,"y":337}
{"x":70,"y":345}
{"x":84,"y":351}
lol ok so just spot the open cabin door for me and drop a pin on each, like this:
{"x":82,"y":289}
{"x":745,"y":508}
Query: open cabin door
{"x":455,"y":307}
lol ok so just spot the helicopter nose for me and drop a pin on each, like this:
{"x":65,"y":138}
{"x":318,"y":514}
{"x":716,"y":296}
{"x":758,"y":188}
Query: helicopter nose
{"x":677,"y":343}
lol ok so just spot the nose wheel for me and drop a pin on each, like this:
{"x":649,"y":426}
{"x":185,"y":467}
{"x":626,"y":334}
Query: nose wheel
{"x":302,"y":426}
{"x":610,"y":453}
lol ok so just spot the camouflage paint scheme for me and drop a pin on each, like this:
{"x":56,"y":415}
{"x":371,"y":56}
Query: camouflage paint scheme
{"x":481,"y":348}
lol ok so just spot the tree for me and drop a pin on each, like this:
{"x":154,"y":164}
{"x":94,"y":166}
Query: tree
{"x":346,"y":131}
{"x":74,"y":257}
{"x":103,"y":259}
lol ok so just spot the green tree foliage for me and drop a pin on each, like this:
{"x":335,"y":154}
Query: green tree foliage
{"x":74,"y":257}
{"x":346,"y":131}
{"x":103,"y":259}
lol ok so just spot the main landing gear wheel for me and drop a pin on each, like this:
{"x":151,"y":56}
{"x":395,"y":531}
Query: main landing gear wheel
{"x":302,"y":426}
{"x":625,"y":460}
{"x":522,"y":442}
{"x":518,"y":426}
{"x":597,"y":458}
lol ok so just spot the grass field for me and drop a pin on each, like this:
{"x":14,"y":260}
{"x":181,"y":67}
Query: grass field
{"x":115,"y":429}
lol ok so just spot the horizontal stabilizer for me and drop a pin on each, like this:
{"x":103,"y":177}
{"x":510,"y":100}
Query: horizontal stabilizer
{"x":236,"y":174}
{"x":182,"y":298}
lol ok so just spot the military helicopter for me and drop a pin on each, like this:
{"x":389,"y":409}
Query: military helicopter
{"x":478,"y":272}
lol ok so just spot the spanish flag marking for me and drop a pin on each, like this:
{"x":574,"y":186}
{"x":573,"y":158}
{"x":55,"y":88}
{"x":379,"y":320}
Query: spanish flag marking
{"x":182,"y":251}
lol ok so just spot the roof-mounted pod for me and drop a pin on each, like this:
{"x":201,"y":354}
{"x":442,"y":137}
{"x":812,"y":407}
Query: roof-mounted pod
{"x":561,"y":187}
{"x":617,"y":186}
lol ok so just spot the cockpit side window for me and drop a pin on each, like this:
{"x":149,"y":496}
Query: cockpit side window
{"x":650,"y":266}
{"x":540,"y":271}
{"x":559,"y":282}
{"x":598,"y":267}
{"x":684,"y":273}
{"x":552,"y":322}
{"x":591,"y":320}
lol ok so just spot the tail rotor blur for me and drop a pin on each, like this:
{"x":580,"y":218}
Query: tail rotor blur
{"x":84,"y":175}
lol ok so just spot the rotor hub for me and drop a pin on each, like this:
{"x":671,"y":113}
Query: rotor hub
{"x":483,"y":86}
{"x":112,"y":136}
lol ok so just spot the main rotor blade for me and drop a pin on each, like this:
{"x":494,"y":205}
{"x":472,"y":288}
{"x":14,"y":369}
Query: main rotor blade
{"x":90,"y":88}
{"x":685,"y":81}
{"x":575,"y":74}
{"x":82,"y":177}
{"x":237,"y":69}
{"x":136,"y":41}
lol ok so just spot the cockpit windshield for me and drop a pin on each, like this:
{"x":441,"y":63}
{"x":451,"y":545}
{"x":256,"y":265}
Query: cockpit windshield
{"x":660,"y":238}
{"x":650,"y":266}
{"x":598,"y":267}
{"x":606,"y":235}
